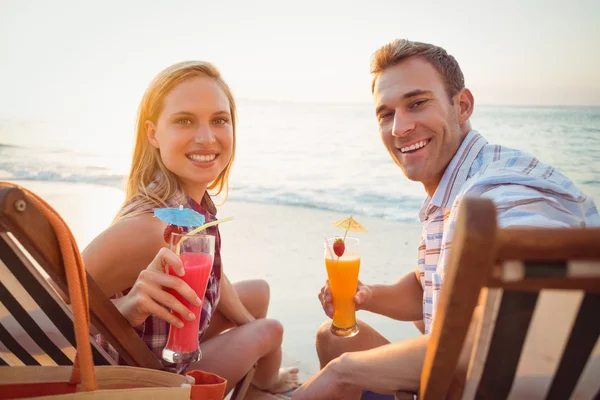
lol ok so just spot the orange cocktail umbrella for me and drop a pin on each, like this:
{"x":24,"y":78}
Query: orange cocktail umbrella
{"x":349,"y":224}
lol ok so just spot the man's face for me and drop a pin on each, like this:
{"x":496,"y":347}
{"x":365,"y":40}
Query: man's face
{"x":418,"y":123}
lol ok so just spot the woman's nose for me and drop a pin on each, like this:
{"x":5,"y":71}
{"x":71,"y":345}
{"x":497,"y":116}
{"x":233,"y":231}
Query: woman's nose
{"x":204,"y":134}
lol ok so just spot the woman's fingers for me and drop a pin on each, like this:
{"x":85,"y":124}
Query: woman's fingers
{"x":163,"y":259}
{"x":153,"y":308}
{"x":155,"y":278}
{"x":168,"y":300}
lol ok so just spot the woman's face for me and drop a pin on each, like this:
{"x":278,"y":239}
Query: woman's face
{"x":194,"y":133}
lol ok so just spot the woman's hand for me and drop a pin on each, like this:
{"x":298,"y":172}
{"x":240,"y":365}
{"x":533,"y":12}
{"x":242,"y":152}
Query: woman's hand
{"x":149,"y":295}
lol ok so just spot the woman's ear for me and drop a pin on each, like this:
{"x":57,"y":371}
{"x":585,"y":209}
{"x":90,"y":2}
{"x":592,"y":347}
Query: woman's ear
{"x":151,"y":133}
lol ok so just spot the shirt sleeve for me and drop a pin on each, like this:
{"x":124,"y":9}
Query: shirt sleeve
{"x":520,"y":205}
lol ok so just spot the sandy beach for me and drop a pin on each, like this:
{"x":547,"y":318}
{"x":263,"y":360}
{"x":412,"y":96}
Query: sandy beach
{"x":281,"y":244}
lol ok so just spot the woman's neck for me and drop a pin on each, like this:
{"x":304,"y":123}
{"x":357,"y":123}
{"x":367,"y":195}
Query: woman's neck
{"x":196,"y":192}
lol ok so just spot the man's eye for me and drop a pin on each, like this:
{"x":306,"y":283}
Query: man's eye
{"x":386,"y":116}
{"x":417,"y":103}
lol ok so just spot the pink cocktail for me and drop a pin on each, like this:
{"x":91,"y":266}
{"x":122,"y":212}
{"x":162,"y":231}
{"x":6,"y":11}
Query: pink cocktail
{"x":182,"y":343}
{"x":197,"y":270}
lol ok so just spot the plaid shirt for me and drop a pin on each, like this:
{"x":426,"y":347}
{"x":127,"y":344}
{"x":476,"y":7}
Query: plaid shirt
{"x":155,"y":331}
{"x":525,"y":191}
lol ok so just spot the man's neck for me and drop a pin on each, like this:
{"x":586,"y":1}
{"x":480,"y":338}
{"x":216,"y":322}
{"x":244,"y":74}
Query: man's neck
{"x":432,"y":185}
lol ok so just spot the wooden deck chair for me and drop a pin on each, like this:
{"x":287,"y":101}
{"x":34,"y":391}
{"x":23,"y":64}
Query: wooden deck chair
{"x":538,"y":335}
{"x":36,"y":325}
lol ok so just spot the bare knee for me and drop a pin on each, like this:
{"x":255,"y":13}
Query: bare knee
{"x":263,"y":296}
{"x":264,"y":291}
{"x":327,"y":348}
{"x":330,"y":346}
{"x":255,"y":295}
{"x":274,"y":328}
{"x":270,"y":333}
{"x":324,"y":333}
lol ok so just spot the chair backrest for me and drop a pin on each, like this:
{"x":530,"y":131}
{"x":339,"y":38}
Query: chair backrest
{"x":28,"y":250}
{"x":36,"y":326}
{"x":538,"y":334}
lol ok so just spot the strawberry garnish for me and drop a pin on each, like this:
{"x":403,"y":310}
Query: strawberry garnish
{"x":171,"y":229}
{"x":339,"y":247}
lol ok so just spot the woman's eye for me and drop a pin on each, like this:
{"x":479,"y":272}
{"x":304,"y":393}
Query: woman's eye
{"x":220,"y":121}
{"x":184,"y":121}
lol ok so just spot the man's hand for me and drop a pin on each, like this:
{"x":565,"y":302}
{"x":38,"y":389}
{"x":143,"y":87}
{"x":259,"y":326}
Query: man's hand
{"x":327,"y":385}
{"x":363,"y":294}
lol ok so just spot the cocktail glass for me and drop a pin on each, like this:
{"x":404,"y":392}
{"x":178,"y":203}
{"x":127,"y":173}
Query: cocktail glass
{"x":343,"y":280}
{"x":196,"y":253}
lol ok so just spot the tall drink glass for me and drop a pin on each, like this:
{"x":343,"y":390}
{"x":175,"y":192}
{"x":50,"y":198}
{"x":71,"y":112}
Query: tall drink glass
{"x":196,"y":253}
{"x":343,"y":279}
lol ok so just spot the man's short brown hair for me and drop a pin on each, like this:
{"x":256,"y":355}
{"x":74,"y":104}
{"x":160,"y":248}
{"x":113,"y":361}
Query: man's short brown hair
{"x":395,"y":52}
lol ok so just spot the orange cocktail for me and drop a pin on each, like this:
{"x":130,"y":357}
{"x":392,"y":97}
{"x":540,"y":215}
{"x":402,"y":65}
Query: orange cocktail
{"x":343,"y":280}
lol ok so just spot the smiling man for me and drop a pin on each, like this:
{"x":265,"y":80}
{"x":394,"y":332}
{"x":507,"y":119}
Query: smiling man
{"x":423,"y":110}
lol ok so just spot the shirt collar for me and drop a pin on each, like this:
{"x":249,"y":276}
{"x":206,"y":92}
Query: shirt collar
{"x":206,"y":206}
{"x":455,"y":176}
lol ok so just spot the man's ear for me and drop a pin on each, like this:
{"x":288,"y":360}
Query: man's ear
{"x":151,"y":133}
{"x":465,"y":104}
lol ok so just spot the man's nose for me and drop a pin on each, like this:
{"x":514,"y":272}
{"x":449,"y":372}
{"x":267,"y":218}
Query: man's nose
{"x":403,"y":126}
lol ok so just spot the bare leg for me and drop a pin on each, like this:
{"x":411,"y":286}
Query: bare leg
{"x":254,"y":295}
{"x":420,"y":325}
{"x":237,"y":350}
{"x":330,"y":346}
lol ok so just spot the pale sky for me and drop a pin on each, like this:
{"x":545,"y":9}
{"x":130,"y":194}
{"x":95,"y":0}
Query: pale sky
{"x":96,"y":57}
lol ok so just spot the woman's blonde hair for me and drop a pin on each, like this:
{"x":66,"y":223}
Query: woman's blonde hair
{"x":150,"y":184}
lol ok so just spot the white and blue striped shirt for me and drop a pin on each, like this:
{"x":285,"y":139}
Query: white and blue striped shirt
{"x":526,"y":192}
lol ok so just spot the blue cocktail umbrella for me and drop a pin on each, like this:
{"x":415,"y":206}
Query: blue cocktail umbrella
{"x":179,"y":216}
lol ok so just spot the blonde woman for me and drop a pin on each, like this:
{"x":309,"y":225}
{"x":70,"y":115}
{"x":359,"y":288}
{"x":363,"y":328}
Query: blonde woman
{"x":185,"y":146}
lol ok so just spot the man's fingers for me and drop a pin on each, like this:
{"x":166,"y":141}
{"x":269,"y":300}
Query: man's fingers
{"x":326,"y":300}
{"x":361,"y":296}
{"x":329,"y":310}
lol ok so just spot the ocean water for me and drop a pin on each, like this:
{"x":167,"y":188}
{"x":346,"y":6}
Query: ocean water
{"x":323,"y":156}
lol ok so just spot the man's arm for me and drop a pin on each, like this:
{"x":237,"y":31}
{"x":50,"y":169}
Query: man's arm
{"x":402,"y":300}
{"x":385,"y":369}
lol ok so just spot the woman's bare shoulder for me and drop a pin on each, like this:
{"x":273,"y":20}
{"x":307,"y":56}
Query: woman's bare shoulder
{"x":124,"y":249}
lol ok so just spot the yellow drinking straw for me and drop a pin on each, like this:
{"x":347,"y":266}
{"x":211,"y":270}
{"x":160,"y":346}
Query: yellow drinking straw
{"x":201,"y":228}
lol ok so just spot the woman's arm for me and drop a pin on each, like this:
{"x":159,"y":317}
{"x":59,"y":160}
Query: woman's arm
{"x":230,"y":304}
{"x":116,"y":257}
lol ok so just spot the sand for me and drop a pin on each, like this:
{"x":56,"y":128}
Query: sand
{"x":281,"y":244}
